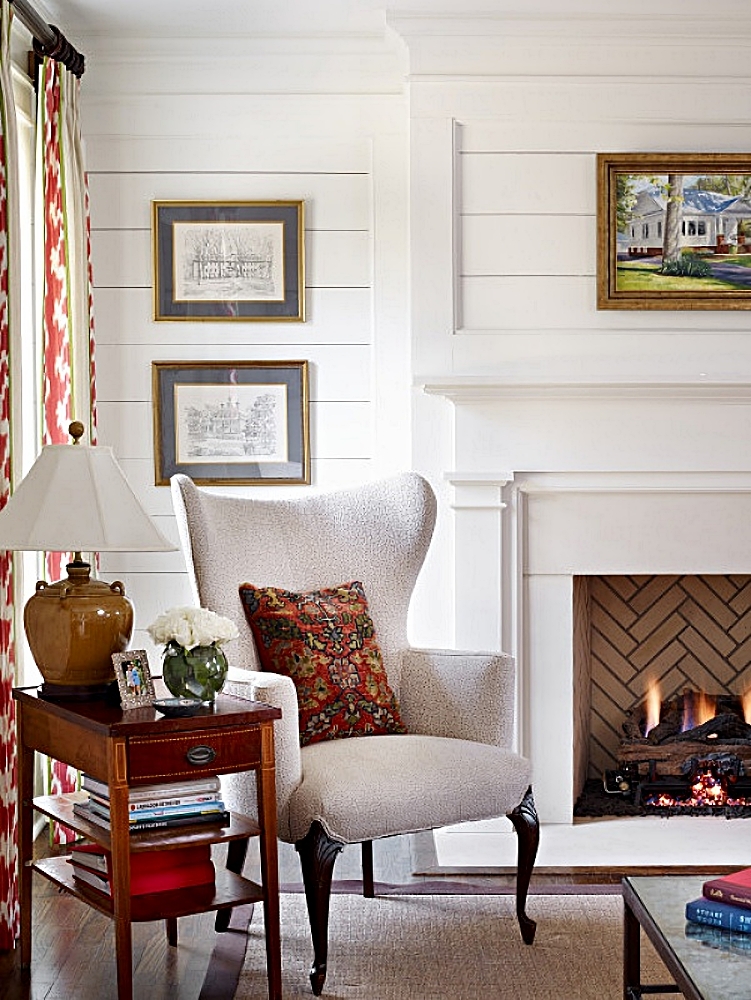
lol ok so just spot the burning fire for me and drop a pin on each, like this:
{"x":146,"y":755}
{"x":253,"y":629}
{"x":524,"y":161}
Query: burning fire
{"x":707,"y":789}
{"x":652,"y":703}
{"x":698,"y":708}
{"x":746,"y":703}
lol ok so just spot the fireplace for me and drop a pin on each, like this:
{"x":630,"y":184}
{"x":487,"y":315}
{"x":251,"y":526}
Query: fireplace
{"x":669,"y":658}
{"x":642,"y":483}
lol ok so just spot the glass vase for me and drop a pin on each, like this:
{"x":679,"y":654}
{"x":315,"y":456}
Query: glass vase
{"x":197,"y":673}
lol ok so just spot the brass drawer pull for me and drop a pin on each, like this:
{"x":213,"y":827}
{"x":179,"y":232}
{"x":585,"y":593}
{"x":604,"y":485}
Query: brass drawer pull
{"x":200,"y":755}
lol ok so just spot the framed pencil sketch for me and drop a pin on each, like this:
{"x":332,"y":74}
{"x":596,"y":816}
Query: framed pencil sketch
{"x":134,"y":678}
{"x":674,"y":231}
{"x":233,"y":260}
{"x":241,"y":422}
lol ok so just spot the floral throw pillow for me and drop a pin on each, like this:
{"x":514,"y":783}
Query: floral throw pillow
{"x":325,"y":641}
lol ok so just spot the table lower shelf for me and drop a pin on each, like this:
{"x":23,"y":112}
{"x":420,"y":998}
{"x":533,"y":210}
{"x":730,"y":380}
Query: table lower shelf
{"x":60,"y":808}
{"x":228,"y":890}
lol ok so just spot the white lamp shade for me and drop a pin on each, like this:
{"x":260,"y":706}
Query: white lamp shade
{"x":76,"y":499}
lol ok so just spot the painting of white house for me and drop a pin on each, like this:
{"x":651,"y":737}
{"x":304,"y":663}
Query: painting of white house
{"x":228,"y":261}
{"x":683,"y":231}
{"x":230,"y":423}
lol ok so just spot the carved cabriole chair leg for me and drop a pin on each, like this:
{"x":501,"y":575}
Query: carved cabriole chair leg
{"x":527,"y":826}
{"x":317,"y":856}
{"x":368,"y":885}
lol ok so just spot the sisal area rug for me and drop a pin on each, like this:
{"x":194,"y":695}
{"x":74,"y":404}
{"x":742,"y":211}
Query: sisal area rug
{"x":452,"y":947}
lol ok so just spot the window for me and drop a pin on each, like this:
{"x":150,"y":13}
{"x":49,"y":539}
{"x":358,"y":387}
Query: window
{"x":645,"y":230}
{"x":28,"y":565}
{"x":701,"y":228}
{"x":691,"y":227}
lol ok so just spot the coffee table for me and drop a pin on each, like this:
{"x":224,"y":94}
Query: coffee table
{"x":712,"y":965}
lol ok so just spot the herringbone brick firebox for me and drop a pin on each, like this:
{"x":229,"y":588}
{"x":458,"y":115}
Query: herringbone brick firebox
{"x":684,"y":631}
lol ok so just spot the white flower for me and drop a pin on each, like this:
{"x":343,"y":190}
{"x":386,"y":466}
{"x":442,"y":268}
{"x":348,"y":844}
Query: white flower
{"x":191,"y":627}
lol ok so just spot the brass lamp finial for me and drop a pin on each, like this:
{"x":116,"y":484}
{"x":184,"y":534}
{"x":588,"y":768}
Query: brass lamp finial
{"x":76,"y":430}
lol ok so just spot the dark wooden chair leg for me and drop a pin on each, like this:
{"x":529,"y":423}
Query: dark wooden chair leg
{"x":171,"y":925}
{"x":236,"y":853}
{"x":527,"y":826}
{"x":317,"y":856}
{"x":368,"y":885}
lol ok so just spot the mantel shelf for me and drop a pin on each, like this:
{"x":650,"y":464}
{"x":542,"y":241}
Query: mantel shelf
{"x":477,"y":389}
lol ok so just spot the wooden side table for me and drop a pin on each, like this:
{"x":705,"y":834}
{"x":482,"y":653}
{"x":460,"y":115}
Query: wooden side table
{"x":140,"y":747}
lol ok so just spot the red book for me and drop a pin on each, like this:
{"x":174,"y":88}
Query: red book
{"x":97,"y":859}
{"x":734,"y":889}
{"x":155,"y":881}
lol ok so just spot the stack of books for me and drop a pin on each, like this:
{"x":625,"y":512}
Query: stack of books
{"x":150,"y":871}
{"x":153,"y":807}
{"x":725,"y":903}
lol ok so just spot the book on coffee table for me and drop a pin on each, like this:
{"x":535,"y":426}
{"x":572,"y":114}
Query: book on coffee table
{"x":714,"y":913}
{"x":734,"y":888}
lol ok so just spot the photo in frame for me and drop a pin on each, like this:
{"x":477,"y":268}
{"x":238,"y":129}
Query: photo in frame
{"x":233,"y":260}
{"x":134,"y":679}
{"x":241,"y":422}
{"x":674,"y":231}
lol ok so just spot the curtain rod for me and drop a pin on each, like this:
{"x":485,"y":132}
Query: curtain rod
{"x":49,"y":40}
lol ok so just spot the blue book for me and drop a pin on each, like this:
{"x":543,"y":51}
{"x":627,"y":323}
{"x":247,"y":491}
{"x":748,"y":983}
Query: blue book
{"x":716,"y":914}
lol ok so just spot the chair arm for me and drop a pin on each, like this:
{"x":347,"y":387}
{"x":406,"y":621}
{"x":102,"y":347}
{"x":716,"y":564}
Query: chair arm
{"x":463,"y":695}
{"x":279,"y":691}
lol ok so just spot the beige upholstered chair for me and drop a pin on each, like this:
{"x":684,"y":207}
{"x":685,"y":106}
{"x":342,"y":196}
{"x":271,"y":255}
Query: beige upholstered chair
{"x":456,"y":763}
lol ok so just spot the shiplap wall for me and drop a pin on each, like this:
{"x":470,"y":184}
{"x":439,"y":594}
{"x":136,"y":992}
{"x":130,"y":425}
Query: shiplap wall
{"x":202,"y":132}
{"x":507,"y":113}
{"x":511,"y":112}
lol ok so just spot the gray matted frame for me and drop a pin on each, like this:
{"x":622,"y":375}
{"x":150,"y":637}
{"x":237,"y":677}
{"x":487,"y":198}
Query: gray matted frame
{"x":229,"y":260}
{"x":232,"y":422}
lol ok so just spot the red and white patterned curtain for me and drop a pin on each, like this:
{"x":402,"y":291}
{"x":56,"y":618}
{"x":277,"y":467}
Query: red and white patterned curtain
{"x":66,"y":299}
{"x":9,"y":304}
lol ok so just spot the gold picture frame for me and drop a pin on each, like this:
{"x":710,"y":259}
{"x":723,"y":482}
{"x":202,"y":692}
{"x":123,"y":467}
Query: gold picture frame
{"x":245,"y":423}
{"x":134,"y":679}
{"x":229,"y":260}
{"x":673,"y":231}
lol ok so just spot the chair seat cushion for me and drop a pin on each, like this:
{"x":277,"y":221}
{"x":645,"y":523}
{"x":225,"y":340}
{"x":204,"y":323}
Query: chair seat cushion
{"x":325,"y":641}
{"x":383,"y":785}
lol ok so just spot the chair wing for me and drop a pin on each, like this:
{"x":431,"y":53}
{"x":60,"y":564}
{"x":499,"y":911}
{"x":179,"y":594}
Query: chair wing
{"x":378,"y":533}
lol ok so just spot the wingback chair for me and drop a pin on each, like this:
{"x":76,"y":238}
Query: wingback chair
{"x":455,"y":763}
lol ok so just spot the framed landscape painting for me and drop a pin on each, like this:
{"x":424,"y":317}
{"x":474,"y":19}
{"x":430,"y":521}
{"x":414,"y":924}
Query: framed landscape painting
{"x":674,"y":231}
{"x":235,"y":260}
{"x":231,"y":422}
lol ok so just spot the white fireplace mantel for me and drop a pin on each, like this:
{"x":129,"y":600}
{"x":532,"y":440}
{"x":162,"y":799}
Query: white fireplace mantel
{"x":598,"y":479}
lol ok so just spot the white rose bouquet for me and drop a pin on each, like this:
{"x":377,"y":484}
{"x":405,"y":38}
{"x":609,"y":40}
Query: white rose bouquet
{"x":194,"y":666}
{"x":189,"y":627}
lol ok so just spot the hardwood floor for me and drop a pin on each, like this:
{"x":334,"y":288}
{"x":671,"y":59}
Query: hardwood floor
{"x":73,"y":950}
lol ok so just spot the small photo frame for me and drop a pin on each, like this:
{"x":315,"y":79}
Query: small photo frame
{"x":232,"y":260}
{"x":134,"y":678}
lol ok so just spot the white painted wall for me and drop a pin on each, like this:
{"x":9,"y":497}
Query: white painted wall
{"x":252,"y":121}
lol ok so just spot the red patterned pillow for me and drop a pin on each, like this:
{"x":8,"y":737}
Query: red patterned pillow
{"x":325,"y":641}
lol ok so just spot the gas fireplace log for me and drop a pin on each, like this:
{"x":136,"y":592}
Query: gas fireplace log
{"x":726,"y":727}
{"x":667,"y":758}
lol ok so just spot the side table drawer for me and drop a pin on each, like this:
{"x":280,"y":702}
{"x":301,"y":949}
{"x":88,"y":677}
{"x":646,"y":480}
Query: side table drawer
{"x":192,"y":755}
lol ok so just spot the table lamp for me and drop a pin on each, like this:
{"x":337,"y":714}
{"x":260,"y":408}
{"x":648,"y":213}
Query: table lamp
{"x":76,"y":498}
